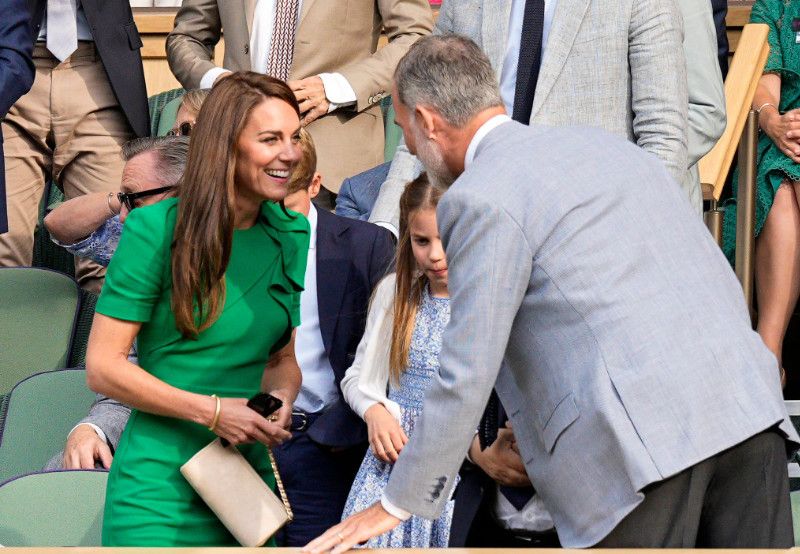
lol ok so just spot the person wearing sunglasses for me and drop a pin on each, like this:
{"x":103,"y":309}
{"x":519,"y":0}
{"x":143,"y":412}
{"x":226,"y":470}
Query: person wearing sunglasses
{"x":89,"y":226}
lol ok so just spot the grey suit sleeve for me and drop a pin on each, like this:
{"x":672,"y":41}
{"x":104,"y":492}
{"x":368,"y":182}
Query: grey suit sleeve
{"x":658,"y":82}
{"x":707,"y":116}
{"x":405,"y":167}
{"x":190,"y":44}
{"x":490,"y":266}
{"x":110,"y":416}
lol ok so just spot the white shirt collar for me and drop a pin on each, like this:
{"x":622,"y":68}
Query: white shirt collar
{"x":480,"y":134}
{"x":312,"y":221}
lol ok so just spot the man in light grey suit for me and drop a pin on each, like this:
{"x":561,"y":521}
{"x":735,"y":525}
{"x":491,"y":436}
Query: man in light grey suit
{"x":620,"y":65}
{"x":647,"y":411}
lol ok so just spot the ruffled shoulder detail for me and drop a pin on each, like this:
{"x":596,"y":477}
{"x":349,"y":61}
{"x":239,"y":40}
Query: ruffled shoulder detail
{"x":291,"y":233}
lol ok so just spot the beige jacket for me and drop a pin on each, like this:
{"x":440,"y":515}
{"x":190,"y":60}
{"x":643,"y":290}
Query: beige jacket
{"x":332,"y":36}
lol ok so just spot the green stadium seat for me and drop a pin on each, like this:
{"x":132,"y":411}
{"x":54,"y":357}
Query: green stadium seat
{"x":59,"y":508}
{"x":39,"y":310}
{"x":41,"y":410}
{"x":77,"y":355}
{"x":157,"y":103}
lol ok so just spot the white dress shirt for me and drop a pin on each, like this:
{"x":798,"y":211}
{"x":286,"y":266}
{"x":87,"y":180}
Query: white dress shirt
{"x":337,"y":89}
{"x":508,"y":75}
{"x":319,"y":388}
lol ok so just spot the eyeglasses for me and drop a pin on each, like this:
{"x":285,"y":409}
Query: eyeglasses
{"x":129,"y":198}
{"x":183,"y":130}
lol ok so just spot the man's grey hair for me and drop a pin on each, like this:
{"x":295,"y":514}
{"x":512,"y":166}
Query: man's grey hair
{"x":449,"y":73}
{"x":171,"y":152}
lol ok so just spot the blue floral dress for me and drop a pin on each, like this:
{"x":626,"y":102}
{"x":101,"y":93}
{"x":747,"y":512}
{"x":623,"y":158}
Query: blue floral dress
{"x":372,"y":477}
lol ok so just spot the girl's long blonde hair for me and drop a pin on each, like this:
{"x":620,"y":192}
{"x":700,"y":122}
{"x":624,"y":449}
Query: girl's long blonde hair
{"x":420,"y":194}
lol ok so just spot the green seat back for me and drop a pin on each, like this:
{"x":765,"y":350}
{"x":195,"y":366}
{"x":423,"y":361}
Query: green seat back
{"x":46,"y":253}
{"x":41,"y":410}
{"x":156,"y":104}
{"x":83,"y":327}
{"x":392,"y":131}
{"x":38,"y":310}
{"x":60,"y":508}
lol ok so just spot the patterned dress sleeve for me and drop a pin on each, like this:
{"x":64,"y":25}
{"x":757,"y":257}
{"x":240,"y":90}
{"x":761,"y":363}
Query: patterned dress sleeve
{"x":770,"y":12}
{"x":135,"y":278}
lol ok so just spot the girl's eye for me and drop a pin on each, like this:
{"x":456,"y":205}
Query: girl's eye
{"x":269,"y":140}
{"x":296,"y":139}
{"x":421,"y":242}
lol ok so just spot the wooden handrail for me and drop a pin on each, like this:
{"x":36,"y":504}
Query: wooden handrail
{"x":740,"y":87}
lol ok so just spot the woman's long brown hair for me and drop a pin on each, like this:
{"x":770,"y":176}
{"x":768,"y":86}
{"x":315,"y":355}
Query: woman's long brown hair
{"x":419,"y":194}
{"x":201,"y":246}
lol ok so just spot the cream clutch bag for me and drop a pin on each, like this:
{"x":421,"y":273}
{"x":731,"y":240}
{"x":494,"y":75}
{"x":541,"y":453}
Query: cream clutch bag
{"x":238,"y":495}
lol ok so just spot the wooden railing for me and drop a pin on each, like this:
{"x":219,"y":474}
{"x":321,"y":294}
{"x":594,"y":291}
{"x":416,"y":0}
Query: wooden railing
{"x":740,"y":134}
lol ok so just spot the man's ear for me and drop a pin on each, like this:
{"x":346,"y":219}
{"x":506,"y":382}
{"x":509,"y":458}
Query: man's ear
{"x":316,"y":184}
{"x":428,"y":119}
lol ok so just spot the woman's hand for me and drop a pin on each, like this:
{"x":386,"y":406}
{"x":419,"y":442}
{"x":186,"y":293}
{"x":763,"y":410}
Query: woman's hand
{"x":784,"y":130}
{"x":386,"y":436}
{"x":239,"y":424}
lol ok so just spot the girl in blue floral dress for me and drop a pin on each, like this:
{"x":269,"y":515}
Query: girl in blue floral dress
{"x":399,"y":353}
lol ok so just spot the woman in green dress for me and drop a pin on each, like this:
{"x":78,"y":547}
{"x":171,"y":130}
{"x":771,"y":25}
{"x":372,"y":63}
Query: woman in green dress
{"x":777,"y":100}
{"x":210,"y":284}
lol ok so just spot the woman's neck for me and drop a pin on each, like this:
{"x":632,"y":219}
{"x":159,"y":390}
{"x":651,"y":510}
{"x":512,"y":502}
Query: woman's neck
{"x":246,"y":213}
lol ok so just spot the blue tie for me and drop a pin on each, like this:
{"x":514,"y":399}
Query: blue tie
{"x":530,"y":58}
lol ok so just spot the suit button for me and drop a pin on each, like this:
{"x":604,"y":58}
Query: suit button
{"x":246,"y":48}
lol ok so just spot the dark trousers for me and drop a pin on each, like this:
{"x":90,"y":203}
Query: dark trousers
{"x":317,"y":482}
{"x":736,"y":499}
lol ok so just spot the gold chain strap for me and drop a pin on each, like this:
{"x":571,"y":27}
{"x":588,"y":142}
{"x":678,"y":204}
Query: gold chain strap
{"x":279,"y":482}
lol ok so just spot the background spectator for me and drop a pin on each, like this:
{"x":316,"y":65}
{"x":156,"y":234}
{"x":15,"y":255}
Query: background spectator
{"x":328,"y":54}
{"x":346,"y":259}
{"x":777,"y":252}
{"x":614,"y":64}
{"x":87,"y":100}
{"x":16,"y":74}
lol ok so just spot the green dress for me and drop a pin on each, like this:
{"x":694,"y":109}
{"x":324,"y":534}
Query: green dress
{"x":148,"y":502}
{"x":773,"y":166}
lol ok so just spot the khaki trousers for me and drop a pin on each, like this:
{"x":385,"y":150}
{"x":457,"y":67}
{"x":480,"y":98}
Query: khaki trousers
{"x":68,"y":128}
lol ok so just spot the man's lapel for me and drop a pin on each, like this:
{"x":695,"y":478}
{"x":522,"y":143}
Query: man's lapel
{"x":304,"y":9}
{"x":494,"y":31}
{"x":249,"y":9}
{"x":333,"y":269}
{"x":567,"y":20}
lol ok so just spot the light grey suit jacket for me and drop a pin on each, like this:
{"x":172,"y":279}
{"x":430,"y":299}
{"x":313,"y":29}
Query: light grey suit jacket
{"x":614,"y":64}
{"x":109,"y":415}
{"x":618,"y":337}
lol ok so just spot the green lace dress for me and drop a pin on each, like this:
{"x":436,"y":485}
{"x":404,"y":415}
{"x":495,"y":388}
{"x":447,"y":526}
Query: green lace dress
{"x":773,"y":166}
{"x":148,"y":502}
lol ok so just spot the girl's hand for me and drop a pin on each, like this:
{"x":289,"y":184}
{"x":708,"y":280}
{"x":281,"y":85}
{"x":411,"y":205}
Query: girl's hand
{"x":784,"y":130}
{"x":238,"y":424}
{"x":386,"y":436}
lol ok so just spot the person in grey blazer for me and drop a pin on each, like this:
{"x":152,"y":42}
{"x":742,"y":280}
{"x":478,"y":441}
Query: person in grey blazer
{"x":647,"y":411}
{"x":620,"y":65}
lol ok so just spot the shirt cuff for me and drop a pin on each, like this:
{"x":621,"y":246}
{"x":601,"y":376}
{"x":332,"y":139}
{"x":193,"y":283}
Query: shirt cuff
{"x":337,"y":90}
{"x":211,"y":75}
{"x":97,"y":430}
{"x":388,"y":226}
{"x":393,"y":510}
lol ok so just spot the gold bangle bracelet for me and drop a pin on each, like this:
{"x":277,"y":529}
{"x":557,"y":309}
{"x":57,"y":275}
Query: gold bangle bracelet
{"x":216,"y":413}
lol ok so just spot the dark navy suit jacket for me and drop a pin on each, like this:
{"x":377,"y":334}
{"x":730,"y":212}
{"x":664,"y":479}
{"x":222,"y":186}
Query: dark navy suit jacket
{"x":352,"y":256}
{"x":16,"y":72}
{"x":117,"y":40}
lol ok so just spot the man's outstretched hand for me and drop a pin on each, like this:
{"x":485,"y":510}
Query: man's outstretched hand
{"x":356,"y":529}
